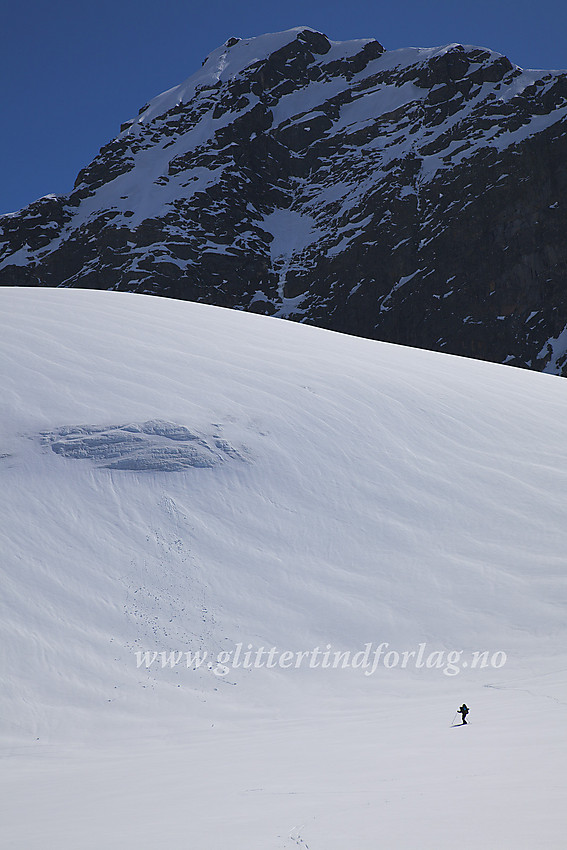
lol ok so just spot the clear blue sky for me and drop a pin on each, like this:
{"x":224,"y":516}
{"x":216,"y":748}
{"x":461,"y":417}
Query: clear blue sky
{"x":72,"y":71}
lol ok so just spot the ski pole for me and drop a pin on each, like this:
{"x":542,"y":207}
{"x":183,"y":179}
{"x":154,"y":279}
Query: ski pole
{"x":454,"y":718}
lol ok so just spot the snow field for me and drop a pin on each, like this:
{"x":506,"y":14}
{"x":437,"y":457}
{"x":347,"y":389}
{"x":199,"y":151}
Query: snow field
{"x":379,"y":494}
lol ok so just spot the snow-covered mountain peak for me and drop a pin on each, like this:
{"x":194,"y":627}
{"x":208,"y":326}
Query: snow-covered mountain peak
{"x":246,"y":58}
{"x":413,"y":195}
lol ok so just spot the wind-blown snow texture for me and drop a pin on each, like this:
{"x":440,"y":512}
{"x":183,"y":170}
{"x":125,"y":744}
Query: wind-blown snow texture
{"x":361,"y":492}
{"x":411,"y":195}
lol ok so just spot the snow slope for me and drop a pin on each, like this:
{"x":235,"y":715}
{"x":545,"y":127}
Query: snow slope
{"x":182,"y":478}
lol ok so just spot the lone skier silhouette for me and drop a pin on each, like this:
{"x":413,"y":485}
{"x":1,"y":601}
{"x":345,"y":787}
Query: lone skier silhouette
{"x":463,"y":711}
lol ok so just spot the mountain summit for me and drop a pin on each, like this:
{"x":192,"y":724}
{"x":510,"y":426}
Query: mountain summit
{"x":414,"y":196}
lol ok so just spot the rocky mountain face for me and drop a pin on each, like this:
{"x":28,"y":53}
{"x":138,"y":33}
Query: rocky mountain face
{"x":417,"y":196}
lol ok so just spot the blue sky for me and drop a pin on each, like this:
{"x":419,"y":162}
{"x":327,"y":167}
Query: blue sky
{"x":72,"y":71}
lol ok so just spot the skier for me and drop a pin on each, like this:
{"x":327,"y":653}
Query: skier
{"x":463,"y":711}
